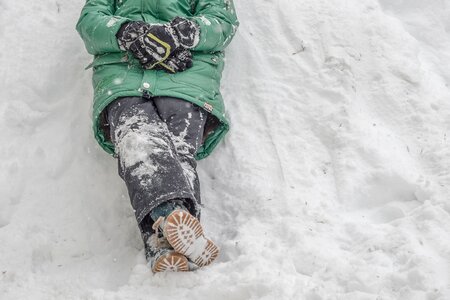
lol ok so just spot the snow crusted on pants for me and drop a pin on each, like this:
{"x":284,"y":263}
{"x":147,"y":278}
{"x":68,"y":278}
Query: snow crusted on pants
{"x":156,"y":140}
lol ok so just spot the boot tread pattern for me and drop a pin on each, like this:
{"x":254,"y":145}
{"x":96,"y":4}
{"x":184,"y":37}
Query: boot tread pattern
{"x":171,"y":262}
{"x":185,"y":234}
{"x":209,"y":254}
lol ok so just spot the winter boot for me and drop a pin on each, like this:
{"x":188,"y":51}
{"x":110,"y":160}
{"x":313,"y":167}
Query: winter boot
{"x":185,"y":234}
{"x":163,"y":258}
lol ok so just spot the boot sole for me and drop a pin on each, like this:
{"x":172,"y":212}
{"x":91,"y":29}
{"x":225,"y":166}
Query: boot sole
{"x":185,"y":234}
{"x":171,"y":262}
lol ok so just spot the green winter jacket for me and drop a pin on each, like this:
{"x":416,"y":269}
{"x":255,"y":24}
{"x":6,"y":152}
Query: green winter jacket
{"x":118,"y":74}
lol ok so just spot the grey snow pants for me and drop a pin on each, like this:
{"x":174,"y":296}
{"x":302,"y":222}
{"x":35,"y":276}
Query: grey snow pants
{"x":156,"y":140}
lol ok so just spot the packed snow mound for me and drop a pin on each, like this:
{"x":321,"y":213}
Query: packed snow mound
{"x":333,"y":183}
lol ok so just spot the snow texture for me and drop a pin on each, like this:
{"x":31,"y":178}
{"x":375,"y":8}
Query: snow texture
{"x":135,"y":137}
{"x":333,"y":183}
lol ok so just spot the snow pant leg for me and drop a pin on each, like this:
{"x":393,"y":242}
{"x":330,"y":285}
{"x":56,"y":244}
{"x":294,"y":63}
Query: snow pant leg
{"x":186,"y":122}
{"x":148,"y":162}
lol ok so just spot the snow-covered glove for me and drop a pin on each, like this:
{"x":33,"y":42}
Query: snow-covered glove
{"x":187,"y":31}
{"x":179,"y":61}
{"x":149,"y":43}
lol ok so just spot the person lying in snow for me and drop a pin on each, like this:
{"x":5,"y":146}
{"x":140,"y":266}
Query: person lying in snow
{"x":158,"y":109}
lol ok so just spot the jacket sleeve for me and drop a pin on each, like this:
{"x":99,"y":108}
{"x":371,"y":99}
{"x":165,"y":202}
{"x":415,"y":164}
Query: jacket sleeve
{"x":98,"y":26}
{"x":218,"y":23}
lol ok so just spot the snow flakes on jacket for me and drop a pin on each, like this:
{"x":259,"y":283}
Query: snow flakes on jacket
{"x":118,"y":74}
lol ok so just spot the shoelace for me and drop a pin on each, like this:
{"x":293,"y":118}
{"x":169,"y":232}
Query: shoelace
{"x":159,"y":241}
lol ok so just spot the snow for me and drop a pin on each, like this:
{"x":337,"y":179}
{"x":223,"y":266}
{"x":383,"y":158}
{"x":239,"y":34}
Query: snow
{"x":133,"y":139}
{"x":333,"y":183}
{"x":205,"y":20}
{"x":112,"y":22}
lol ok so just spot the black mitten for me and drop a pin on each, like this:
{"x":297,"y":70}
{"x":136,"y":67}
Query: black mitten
{"x":150,"y":43}
{"x":179,"y":61}
{"x":187,"y":31}
{"x":131,"y":31}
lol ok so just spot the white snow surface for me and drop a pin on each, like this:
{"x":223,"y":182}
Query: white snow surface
{"x":333,"y":183}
